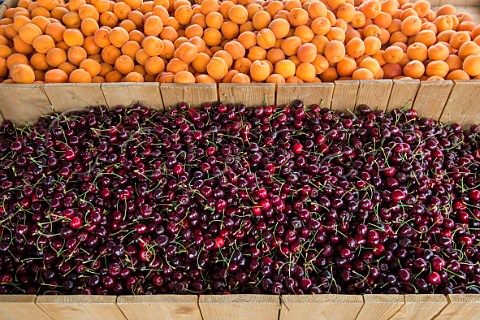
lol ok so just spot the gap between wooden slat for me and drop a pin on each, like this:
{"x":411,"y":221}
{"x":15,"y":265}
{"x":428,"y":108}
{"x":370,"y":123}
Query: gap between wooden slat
{"x":441,"y":311}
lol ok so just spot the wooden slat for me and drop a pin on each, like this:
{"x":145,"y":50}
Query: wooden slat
{"x":461,"y":307}
{"x":23,"y":103}
{"x":10,"y":3}
{"x":462,"y":106}
{"x":438,"y":3}
{"x":374,"y":93}
{"x":314,"y":307}
{"x":309,"y":93}
{"x":421,"y":306}
{"x":160,"y":307}
{"x":249,"y":94}
{"x":403,"y":94}
{"x":80,"y":307}
{"x":20,"y":307}
{"x":432,"y":97}
{"x":125,"y":94}
{"x":380,"y":306}
{"x":344,"y":95}
{"x":2,"y":11}
{"x":193,"y":94}
{"x":239,"y":307}
{"x":74,"y":96}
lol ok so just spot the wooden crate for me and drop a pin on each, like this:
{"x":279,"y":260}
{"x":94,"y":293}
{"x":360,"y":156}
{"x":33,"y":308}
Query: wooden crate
{"x":240,"y":307}
{"x":448,"y":101}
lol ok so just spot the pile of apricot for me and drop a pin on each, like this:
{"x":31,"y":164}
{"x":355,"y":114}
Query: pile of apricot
{"x":238,"y":41}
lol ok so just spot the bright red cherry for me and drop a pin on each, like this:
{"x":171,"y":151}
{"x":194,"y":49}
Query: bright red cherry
{"x":75,"y":223}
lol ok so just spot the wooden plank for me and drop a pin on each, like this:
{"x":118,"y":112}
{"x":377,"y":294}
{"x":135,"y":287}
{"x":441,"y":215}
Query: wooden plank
{"x":374,"y":93}
{"x":239,"y":307}
{"x":309,"y":93}
{"x":160,"y":307}
{"x":461,"y":307}
{"x":74,"y":96}
{"x":2,"y":11}
{"x":10,"y":3}
{"x":80,"y":307}
{"x":344,"y":95}
{"x":462,"y":105}
{"x":432,"y":97}
{"x":315,"y":307}
{"x":380,"y":306}
{"x":248,"y":94}
{"x":438,"y":3}
{"x":421,"y":306}
{"x":193,"y":94}
{"x":125,"y":94}
{"x":20,"y":307}
{"x":24,"y":103}
{"x":403,"y":94}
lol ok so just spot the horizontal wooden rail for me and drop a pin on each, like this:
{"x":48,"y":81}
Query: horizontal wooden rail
{"x":239,"y":307}
{"x":448,"y":101}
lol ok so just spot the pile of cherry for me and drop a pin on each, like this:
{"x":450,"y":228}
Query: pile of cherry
{"x":228,"y":199}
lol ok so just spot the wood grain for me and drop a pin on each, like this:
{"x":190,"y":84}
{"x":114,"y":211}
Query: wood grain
{"x":403,"y":94}
{"x":23,"y":103}
{"x":432,"y":97}
{"x":461,"y":307}
{"x":239,"y":307}
{"x":309,"y":93}
{"x":380,"y":306}
{"x":421,"y":306}
{"x":320,"y":307}
{"x":462,"y":105}
{"x":249,"y":94}
{"x":344,"y":95}
{"x":80,"y":307}
{"x":160,"y":307}
{"x":374,"y":93}
{"x":193,"y":94}
{"x":125,"y":94}
{"x":20,"y":307}
{"x":74,"y":96}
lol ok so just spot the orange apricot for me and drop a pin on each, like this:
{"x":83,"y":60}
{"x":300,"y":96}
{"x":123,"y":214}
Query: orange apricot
{"x":22,"y":73}
{"x":217,"y":68}
{"x":471,"y":65}
{"x":437,"y":68}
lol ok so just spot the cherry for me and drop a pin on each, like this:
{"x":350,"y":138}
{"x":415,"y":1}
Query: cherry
{"x":75,"y":223}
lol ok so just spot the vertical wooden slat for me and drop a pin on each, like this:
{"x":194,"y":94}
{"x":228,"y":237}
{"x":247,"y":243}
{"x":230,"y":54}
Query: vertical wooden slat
{"x":403,"y":94}
{"x":73,"y":96}
{"x":20,"y":307}
{"x":463,"y":105}
{"x":344,"y":95}
{"x":249,"y":94}
{"x":374,"y":93}
{"x":80,"y":307}
{"x":314,"y":307}
{"x":3,"y":8}
{"x":124,"y":94}
{"x":164,"y":307}
{"x":380,"y":306}
{"x":461,"y":307}
{"x":309,"y":93}
{"x":193,"y":94}
{"x":432,"y":97}
{"x":421,"y":306}
{"x":23,"y":103}
{"x":239,"y":307}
